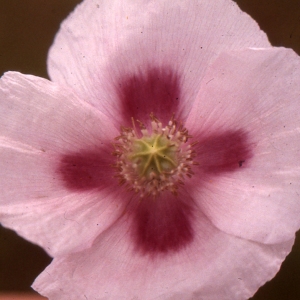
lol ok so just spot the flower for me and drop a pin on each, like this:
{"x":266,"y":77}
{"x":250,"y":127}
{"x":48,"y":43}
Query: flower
{"x":208,"y":207}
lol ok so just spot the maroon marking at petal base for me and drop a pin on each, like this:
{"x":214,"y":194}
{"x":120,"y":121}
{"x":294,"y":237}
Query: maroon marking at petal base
{"x":163,"y":225}
{"x":156,"y":90}
{"x":87,"y":170}
{"x":224,"y":152}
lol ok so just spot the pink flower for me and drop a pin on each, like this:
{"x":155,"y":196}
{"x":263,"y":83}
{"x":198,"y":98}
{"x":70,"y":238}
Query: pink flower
{"x":210,"y":216}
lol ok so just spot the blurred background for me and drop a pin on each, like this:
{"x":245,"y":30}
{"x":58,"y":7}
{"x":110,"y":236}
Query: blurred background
{"x":27,"y":29}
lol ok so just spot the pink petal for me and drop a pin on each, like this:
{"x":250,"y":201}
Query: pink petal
{"x":65,"y":224}
{"x":44,"y":126}
{"x":103,"y":46}
{"x":36,"y":112}
{"x":214,"y":266}
{"x":257,"y":93}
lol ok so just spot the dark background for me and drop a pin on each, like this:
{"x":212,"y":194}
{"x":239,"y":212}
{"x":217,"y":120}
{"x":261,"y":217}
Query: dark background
{"x":27,"y":29}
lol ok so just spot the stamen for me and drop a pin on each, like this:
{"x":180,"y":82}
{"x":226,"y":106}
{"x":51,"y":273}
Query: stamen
{"x":150,"y":163}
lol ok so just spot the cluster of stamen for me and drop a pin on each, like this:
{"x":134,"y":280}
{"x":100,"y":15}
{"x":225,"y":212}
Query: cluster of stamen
{"x":151,"y":162}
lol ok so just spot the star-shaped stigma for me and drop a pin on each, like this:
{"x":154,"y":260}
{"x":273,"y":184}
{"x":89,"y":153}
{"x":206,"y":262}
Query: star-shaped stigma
{"x":154,"y":155}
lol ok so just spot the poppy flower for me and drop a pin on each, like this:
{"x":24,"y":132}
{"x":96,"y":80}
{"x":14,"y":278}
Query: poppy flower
{"x":161,"y":161}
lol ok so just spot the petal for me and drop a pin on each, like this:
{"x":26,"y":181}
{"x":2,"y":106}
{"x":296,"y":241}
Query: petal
{"x":65,"y":224}
{"x":255,"y":92}
{"x":45,"y":180}
{"x":105,"y":45}
{"x":113,"y":269}
{"x":26,"y":173}
{"x":38,"y":113}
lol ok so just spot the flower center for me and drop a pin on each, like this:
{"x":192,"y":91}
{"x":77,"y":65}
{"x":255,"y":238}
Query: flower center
{"x":149,"y":163}
{"x":153,"y":155}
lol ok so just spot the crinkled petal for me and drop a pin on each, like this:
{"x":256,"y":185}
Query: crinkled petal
{"x":65,"y":224}
{"x":39,"y":113}
{"x":26,"y":173}
{"x":254,"y":92}
{"x":113,"y":269}
{"x":105,"y":45}
{"x":44,"y":132}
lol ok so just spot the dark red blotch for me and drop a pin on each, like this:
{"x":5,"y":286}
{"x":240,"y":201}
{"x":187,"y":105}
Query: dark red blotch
{"x":163,"y":225}
{"x":224,"y":152}
{"x":156,"y":90}
{"x":87,"y":170}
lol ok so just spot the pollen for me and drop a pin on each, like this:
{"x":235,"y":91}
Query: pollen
{"x":153,"y":160}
